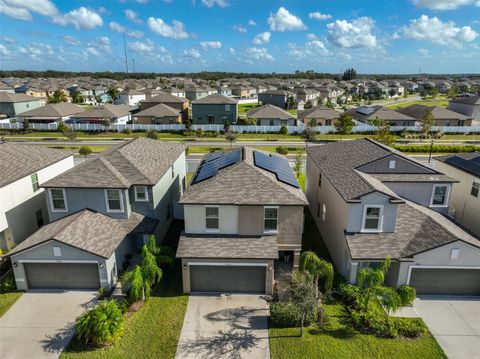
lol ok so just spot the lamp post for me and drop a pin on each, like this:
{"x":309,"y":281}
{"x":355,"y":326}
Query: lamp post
{"x":430,"y":154}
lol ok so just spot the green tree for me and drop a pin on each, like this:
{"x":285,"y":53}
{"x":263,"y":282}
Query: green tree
{"x":371,"y":280}
{"x":76,"y":97}
{"x":330,"y":104}
{"x":308,"y":105}
{"x":230,"y":136}
{"x":308,"y":134}
{"x":164,"y":254}
{"x":57,"y":97}
{"x":319,"y":269}
{"x":291,"y":102}
{"x":85,"y":151}
{"x":113,"y":93}
{"x":70,"y":133}
{"x":452,"y":92}
{"x":152,"y":134}
{"x":298,"y":164}
{"x":427,"y":123}
{"x":384,"y":135}
{"x":283,"y":131}
{"x":301,"y":292}
{"x":349,"y":74}
{"x":61,"y":127}
{"x":26,"y":125}
{"x":344,"y":124}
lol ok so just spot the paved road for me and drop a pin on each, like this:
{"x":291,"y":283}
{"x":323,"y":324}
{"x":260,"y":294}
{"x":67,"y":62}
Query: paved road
{"x":40,"y":323}
{"x":234,"y":326}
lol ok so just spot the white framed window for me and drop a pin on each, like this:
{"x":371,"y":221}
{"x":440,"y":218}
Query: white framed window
{"x":35,"y":184}
{"x":392,"y":164}
{"x":212,"y":218}
{"x":439,"y":195}
{"x":141,"y":193}
{"x":57,"y":252}
{"x":475,"y":188}
{"x":58,"y":200}
{"x":324,"y":212}
{"x":270,"y":219}
{"x":372,"y":218}
{"x":455,"y":253}
{"x":114,"y":200}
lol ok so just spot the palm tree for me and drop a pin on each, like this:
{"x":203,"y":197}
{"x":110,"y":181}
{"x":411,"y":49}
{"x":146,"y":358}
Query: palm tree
{"x":373,"y":279}
{"x":163,"y":254}
{"x":318,"y":268}
{"x":390,"y":300}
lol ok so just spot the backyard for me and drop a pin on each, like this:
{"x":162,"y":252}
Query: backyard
{"x":438,"y":101}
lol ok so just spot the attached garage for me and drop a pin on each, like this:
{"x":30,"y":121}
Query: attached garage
{"x":62,"y":275}
{"x":446,"y":281}
{"x":227,"y":278}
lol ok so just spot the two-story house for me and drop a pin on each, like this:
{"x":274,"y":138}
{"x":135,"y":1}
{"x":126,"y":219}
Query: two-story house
{"x":130,"y":97}
{"x":468,"y":106}
{"x":12,"y":104}
{"x":214,"y":109}
{"x":243,"y":211}
{"x":102,"y":210}
{"x":23,"y":168}
{"x":371,"y":202}
{"x":465,"y":195}
{"x":275,"y":97}
{"x":172,"y":101}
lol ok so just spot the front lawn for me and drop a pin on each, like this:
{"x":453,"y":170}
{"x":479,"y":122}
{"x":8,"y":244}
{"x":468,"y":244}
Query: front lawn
{"x":442,"y":102}
{"x":8,"y":292}
{"x":336,"y":339}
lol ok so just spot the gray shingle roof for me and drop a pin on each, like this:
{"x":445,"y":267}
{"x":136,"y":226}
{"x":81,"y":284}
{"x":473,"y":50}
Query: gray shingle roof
{"x":320,"y":112}
{"x":53,"y":110}
{"x":269,"y":111}
{"x":412,"y":177}
{"x":440,"y":113}
{"x":141,"y":161}
{"x":214,"y":99}
{"x":227,"y":247}
{"x":6,"y":97}
{"x":470,"y":100}
{"x":160,"y":110}
{"x":164,"y":97}
{"x":105,"y":111}
{"x":19,"y":160}
{"x":385,"y":113}
{"x":90,"y":231}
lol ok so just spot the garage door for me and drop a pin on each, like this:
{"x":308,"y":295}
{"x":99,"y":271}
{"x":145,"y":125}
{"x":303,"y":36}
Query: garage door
{"x":62,"y":275}
{"x":230,"y":279}
{"x":446,"y":281}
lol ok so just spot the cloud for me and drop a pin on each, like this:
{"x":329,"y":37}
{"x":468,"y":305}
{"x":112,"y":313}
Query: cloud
{"x":8,"y":39}
{"x":438,"y":32}
{"x":240,"y":28}
{"x":4,"y":50}
{"x":146,"y":47}
{"x":22,"y":9}
{"x":212,"y":3}
{"x":283,"y":20}
{"x":441,"y":4}
{"x":317,"y":15}
{"x":262,"y":38}
{"x":257,"y":53}
{"x":252,"y":22}
{"x":211,"y":45}
{"x":311,"y":36}
{"x":311,"y":49}
{"x":190,"y":53}
{"x":71,"y":40}
{"x":81,"y":18}
{"x":133,"y":16}
{"x":174,"y":31}
{"x":423,"y":52}
{"x":355,"y":34}
{"x":115,"y":26}
{"x":37,"y":51}
{"x":99,"y":47}
{"x":477,"y":4}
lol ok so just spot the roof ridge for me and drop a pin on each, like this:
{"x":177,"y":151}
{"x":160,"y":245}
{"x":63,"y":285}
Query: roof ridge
{"x":114,"y":170}
{"x":72,"y":218}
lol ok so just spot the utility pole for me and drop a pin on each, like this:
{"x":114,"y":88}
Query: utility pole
{"x":125,"y":48}
{"x":133,"y":61}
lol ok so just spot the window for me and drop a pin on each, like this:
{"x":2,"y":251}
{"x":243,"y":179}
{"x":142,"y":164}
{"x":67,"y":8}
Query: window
{"x":58,"y":200}
{"x":141,"y":193}
{"x":35,"y":185}
{"x":439,"y":196}
{"x":270,"y":219}
{"x":392,"y":164}
{"x":475,"y":188}
{"x":114,"y":200}
{"x":211,"y":218}
{"x":372,"y":218}
{"x":173,"y":172}
{"x":324,"y":212}
{"x":455,"y":253}
{"x":39,"y":218}
{"x":57,"y":252}
{"x":227,"y":108}
{"x":328,"y":122}
{"x":320,"y":179}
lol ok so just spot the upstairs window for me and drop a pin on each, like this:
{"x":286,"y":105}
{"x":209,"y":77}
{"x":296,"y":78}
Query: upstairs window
{"x":58,"y":200}
{"x":211,"y":218}
{"x":35,"y":184}
{"x":392,"y":164}
{"x":141,"y":193}
{"x":114,"y":200}
{"x":475,"y":188}
{"x":372,"y":218}
{"x":270,"y":219}
{"x":227,"y":108}
{"x":439,"y":196}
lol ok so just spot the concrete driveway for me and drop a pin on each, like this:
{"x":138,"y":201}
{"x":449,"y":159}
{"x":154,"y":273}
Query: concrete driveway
{"x":40,"y":323}
{"x":455,"y":323}
{"x":225,"y":326}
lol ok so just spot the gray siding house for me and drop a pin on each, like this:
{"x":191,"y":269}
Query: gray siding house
{"x":214,"y":109}
{"x":102,"y":210}
{"x":468,"y":106}
{"x":275,"y":97}
{"x":12,"y":104}
{"x":370,"y":202}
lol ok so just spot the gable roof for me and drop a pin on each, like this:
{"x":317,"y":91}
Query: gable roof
{"x":214,"y":99}
{"x":381,"y":112}
{"x":53,"y":110}
{"x":269,"y":111}
{"x":141,"y":161}
{"x":322,"y":112}
{"x":7,"y":97}
{"x":20,"y":160}
{"x":418,"y":111}
{"x":104,"y":111}
{"x":160,"y":110}
{"x":467,"y":162}
{"x":164,"y":97}
{"x":470,"y":100}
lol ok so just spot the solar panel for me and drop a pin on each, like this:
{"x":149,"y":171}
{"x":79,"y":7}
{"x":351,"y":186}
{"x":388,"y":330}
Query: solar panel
{"x":469,"y":166}
{"x":476,"y":159}
{"x":214,"y":162}
{"x":365,"y":110}
{"x":276,"y":165}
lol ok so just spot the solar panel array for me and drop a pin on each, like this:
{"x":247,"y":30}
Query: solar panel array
{"x":472,"y":166}
{"x":215,"y":162}
{"x":365,"y":110}
{"x":276,"y":165}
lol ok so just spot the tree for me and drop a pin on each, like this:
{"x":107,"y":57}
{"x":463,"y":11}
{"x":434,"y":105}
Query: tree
{"x":390,"y":300}
{"x":301,"y":292}
{"x":152,"y":134}
{"x":26,"y":126}
{"x":70,"y":133}
{"x":349,"y":74}
{"x":85,"y":151}
{"x":164,"y":254}
{"x":230,"y":136}
{"x":384,"y":135}
{"x":298,"y":164}
{"x":330,"y":104}
{"x":76,"y":97}
{"x":57,"y":97}
{"x":308,"y":134}
{"x":371,"y":280}
{"x":452,"y":92}
{"x":283,"y":131}
{"x":61,"y":127}
{"x":318,"y":268}
{"x":113,"y":93}
{"x":291,"y":102}
{"x":344,"y":124}
{"x":308,"y":105}
{"x":427,"y":123}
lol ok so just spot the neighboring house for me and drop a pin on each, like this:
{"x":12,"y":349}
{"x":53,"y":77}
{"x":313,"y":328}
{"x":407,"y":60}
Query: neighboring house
{"x":175,"y":91}
{"x":214,"y":109}
{"x":160,"y":114}
{"x":130,"y":97}
{"x":23,"y":168}
{"x":319,"y":116}
{"x":305,"y":95}
{"x":243,"y":211}
{"x":441,"y":115}
{"x":116,"y":114}
{"x":224,"y":91}
{"x":371,"y":202}
{"x":465,"y":195}
{"x":52,"y":112}
{"x":269,"y":115}
{"x":468,"y":106}
{"x":12,"y":104}
{"x":196,"y":93}
{"x":275,"y":97}
{"x":102,"y":210}
{"x":149,"y":93}
{"x":366,"y":114}
{"x":177,"y":103}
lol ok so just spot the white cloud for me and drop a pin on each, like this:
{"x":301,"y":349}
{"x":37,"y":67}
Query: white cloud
{"x":423,"y":52}
{"x":252,"y":22}
{"x":115,"y":26}
{"x":133,"y":16}
{"x":283,"y":20}
{"x":257,"y":53}
{"x":190,"y":53}
{"x":22,"y":9}
{"x":37,"y":51}
{"x":317,"y":15}
{"x":355,"y":34}
{"x":311,"y":36}
{"x":8,"y":39}
{"x":231,"y":51}
{"x":212,"y":3}
{"x":477,"y":4}
{"x":262,"y":38}
{"x":240,"y":28}
{"x":441,"y":4}
{"x":81,"y":18}
{"x":70,"y":40}
{"x":174,"y":31}
{"x":211,"y":45}
{"x":311,"y":49}
{"x":146,"y":47}
{"x":99,"y":47}
{"x":4,"y":50}
{"x":438,"y":32}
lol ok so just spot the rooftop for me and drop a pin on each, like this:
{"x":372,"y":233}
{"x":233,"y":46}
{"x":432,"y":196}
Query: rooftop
{"x":160,"y":110}
{"x":215,"y":99}
{"x":55,"y":110}
{"x":467,"y":162}
{"x":105,"y":111}
{"x":269,"y":111}
{"x":7,"y":97}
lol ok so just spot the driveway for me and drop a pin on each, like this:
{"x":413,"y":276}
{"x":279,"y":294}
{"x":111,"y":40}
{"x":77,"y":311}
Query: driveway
{"x":225,"y":326}
{"x":455,"y":323}
{"x":40,"y":323}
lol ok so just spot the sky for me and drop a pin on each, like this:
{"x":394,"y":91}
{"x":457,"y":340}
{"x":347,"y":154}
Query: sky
{"x":387,"y":36}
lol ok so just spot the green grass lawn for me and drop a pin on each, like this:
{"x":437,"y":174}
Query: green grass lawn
{"x":153,"y":331}
{"x":8,"y":293}
{"x":243,"y":108}
{"x":95,"y":149}
{"x":301,"y":181}
{"x":442,"y":102}
{"x":336,"y":339}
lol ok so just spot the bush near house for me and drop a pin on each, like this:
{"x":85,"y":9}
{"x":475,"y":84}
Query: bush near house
{"x":407,"y":294}
{"x":281,"y":150}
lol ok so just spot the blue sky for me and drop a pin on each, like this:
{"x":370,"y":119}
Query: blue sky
{"x":389,"y":36}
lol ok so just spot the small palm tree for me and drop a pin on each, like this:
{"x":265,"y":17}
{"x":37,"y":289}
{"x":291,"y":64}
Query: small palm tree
{"x":372,"y":281}
{"x":164,"y":254}
{"x":318,"y":268}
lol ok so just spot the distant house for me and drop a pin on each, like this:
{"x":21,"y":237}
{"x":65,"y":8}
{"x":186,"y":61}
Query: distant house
{"x":441,"y":115}
{"x":468,"y":106}
{"x":13,"y":104}
{"x":178,"y":103}
{"x":224,"y":91}
{"x":269,"y":115}
{"x":175,"y":91}
{"x":52,"y":112}
{"x":319,"y":116}
{"x":366,"y":114}
{"x":214,"y":109}
{"x":130,"y":97}
{"x":151,"y":92}
{"x":160,"y":114}
{"x":305,"y":95}
{"x":275,"y":97}
{"x":116,"y":114}
{"x":196,"y":93}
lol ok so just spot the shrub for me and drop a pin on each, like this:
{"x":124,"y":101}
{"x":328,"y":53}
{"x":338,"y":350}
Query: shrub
{"x":152,"y":134}
{"x":85,"y":151}
{"x":200,"y":133}
{"x":407,"y":294}
{"x":374,"y":322}
{"x":350,"y":294}
{"x":62,"y":127}
{"x":282,"y":150}
{"x":127,"y":131}
{"x":100,"y":325}
{"x":410,"y":327}
{"x":287,"y":314}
